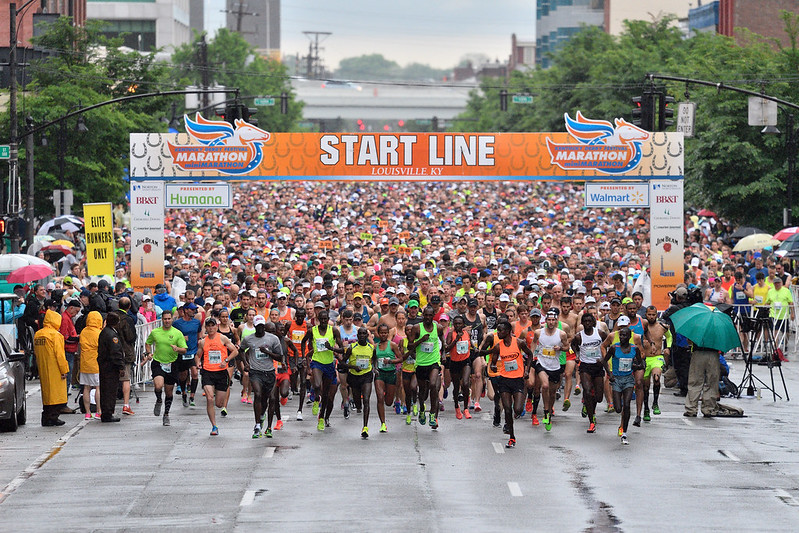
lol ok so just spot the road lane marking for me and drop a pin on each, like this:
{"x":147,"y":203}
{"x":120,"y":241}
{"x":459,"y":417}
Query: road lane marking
{"x":729,"y":455}
{"x":786,"y":498}
{"x":269,"y":452}
{"x":40,"y":462}
{"x":498,"y":447}
{"x":689,"y":423}
{"x":247,"y":498}
{"x":515,"y":491}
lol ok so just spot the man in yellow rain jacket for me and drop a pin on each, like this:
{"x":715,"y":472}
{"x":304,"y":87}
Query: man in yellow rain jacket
{"x":48,"y":346}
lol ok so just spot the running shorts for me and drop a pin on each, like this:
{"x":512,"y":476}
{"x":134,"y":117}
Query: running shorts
{"x":652,"y":363}
{"x":423,"y":372}
{"x":266,"y":379}
{"x":218,"y":379}
{"x":357,"y":381}
{"x":456,"y":367}
{"x":595,"y":370}
{"x":389,"y":377}
{"x":620,"y":383}
{"x":168,"y":371}
{"x":327,"y":370}
{"x":554,"y":375}
{"x":509,"y":385}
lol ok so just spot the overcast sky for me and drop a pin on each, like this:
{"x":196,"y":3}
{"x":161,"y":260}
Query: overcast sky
{"x":436,"y":32}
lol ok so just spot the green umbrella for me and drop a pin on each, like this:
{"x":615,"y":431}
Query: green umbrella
{"x":706,"y":327}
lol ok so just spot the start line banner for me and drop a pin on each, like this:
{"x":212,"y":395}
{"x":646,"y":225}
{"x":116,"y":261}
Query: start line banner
{"x":588,"y":150}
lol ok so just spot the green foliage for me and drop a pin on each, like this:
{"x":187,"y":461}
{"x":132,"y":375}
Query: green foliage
{"x":377,"y":67}
{"x":234,"y":63}
{"x":730,"y":167}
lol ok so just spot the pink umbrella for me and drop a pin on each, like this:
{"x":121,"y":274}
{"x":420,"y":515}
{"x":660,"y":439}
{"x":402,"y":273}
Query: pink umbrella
{"x":785,"y":233}
{"x":707,"y":213}
{"x":29,"y":273}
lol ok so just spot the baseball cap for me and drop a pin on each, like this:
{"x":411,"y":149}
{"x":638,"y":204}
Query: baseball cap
{"x":258,"y":320}
{"x":504,"y":297}
{"x":413,"y":303}
{"x":68,"y":280}
{"x":318,"y":279}
{"x":535,"y":311}
{"x":393,"y":301}
{"x":482,"y":286}
{"x":435,"y":299}
{"x":615,"y":300}
{"x":623,"y":320}
{"x":357,"y":295}
{"x":319,"y":305}
{"x":383,"y":301}
{"x":190,"y":305}
{"x":443,"y":317}
{"x":209,"y":301}
{"x":73,"y":303}
{"x":590,"y":300}
{"x":471,"y":302}
{"x":604,"y":306}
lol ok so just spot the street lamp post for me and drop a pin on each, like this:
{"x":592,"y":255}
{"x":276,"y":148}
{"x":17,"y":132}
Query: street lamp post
{"x":80,"y":127}
{"x":791,"y":149}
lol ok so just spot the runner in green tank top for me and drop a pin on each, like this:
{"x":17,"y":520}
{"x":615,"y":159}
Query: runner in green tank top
{"x":318,"y":341}
{"x":387,"y":355}
{"x":425,"y":342}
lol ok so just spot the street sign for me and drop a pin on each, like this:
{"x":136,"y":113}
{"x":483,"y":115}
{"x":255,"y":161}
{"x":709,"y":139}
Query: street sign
{"x":762,"y":112}
{"x":264,"y":101}
{"x":686,"y":112}
{"x":522,"y":99}
{"x":5,"y":151}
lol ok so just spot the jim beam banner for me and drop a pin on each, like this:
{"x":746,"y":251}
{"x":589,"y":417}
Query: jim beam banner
{"x":147,"y":233}
{"x":666,"y":238}
{"x":99,"y":239}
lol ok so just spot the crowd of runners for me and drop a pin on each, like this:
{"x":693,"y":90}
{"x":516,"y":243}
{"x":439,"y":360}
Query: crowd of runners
{"x":508,"y":298}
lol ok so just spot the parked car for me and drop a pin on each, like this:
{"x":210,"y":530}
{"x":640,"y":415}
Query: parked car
{"x":13,"y":404}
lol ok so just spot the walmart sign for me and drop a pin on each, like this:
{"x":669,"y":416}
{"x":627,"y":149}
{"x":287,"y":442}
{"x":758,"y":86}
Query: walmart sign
{"x":631,"y":194}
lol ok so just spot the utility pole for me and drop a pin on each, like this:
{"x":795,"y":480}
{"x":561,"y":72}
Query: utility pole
{"x":13,"y":160}
{"x":239,"y":13}
{"x":203,"y":53}
{"x":313,"y":67}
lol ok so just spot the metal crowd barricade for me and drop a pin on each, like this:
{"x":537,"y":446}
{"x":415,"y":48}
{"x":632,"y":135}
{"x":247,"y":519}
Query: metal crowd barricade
{"x":142,"y":374}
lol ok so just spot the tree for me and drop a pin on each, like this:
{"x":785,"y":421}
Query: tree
{"x":233,"y":63}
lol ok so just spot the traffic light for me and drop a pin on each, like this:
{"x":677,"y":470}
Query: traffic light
{"x":644,"y":111}
{"x":231,"y":114}
{"x":503,"y":100}
{"x":284,"y":103}
{"x":246,"y":114}
{"x":666,"y":113}
{"x":2,"y":227}
{"x":361,"y":125}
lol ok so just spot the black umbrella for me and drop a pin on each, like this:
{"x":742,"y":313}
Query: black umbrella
{"x":743,"y":231}
{"x":790,"y":244}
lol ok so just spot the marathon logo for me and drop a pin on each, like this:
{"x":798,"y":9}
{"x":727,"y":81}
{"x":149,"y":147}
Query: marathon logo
{"x":602,"y":146}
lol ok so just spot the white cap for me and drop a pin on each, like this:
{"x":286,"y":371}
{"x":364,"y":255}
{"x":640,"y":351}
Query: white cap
{"x":235,"y":262}
{"x":258,"y":320}
{"x":695,"y":262}
{"x":504,"y":297}
{"x":482,"y":286}
{"x":590,"y":300}
{"x":623,"y":320}
{"x":318,"y":279}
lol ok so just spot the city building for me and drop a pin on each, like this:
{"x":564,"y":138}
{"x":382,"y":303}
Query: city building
{"x":144,"y":24}
{"x":727,"y":16}
{"x":522,"y":55}
{"x":558,"y":20}
{"x":617,"y":11}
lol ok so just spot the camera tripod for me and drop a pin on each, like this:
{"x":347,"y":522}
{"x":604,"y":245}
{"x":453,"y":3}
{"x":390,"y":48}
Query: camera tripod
{"x":756,"y":327}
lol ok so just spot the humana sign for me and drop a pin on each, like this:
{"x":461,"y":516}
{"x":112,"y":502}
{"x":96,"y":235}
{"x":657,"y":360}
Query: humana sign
{"x":198,"y":196}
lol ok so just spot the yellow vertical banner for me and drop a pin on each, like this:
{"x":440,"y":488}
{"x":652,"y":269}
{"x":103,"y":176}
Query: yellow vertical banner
{"x":99,"y":239}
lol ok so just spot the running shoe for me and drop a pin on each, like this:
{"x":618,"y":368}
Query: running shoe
{"x":408,"y":419}
{"x":591,"y":427}
{"x":284,"y":401}
{"x":126,"y":410}
{"x":521,"y":415}
{"x":185,"y":401}
{"x":315,"y":409}
{"x":441,"y":406}
{"x":466,"y":414}
{"x":320,"y":425}
{"x":249,"y":400}
{"x":621,"y":431}
{"x":256,"y":433}
{"x":505,"y":429}
{"x":223,"y":411}
{"x":557,"y":395}
{"x":511,"y":443}
{"x":577,"y":390}
{"x":624,"y":439}
{"x":87,"y":416}
{"x":415,"y":409}
{"x":528,"y":406}
{"x":157,"y":408}
{"x":268,"y":433}
{"x":584,"y":412}
{"x":178,"y":390}
{"x":299,"y":415}
{"x":471,"y":406}
{"x":279,"y":425}
{"x":346,"y":411}
{"x":165,"y":421}
{"x":458,"y":413}
{"x":609,"y":408}
{"x":352,"y":404}
{"x":477,"y":407}
{"x":566,"y":404}
{"x":647,"y":418}
{"x":327,"y":422}
{"x":404,"y":410}
{"x":496,"y":421}
{"x":383,"y":428}
{"x":422,"y":417}
{"x":243,"y":398}
{"x":655,"y":409}
{"x":191,"y":402}
{"x":214,"y":430}
{"x":365,"y":433}
{"x":397,"y":407}
{"x":637,"y":421}
{"x":535,"y":420}
{"x":548,"y":422}
{"x":433,"y":422}
{"x":483,"y":392}
{"x":97,"y":416}
{"x":446,"y":393}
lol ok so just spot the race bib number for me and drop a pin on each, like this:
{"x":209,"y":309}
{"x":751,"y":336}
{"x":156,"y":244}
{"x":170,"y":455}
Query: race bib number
{"x":625,"y":364}
{"x":260,"y":355}
{"x":362,"y":364}
{"x":166,"y":367}
{"x":759,"y":299}
{"x":428,"y":346}
{"x":591,"y":353}
{"x":296,"y":336}
{"x":777,"y":305}
{"x":187,"y":356}
{"x":548,"y":352}
{"x":410,"y":361}
{"x":511,"y":365}
{"x":740,"y":295}
{"x":278,"y":366}
{"x":462,"y":347}
{"x":385,"y":364}
{"x":321,"y":345}
{"x":214,"y":356}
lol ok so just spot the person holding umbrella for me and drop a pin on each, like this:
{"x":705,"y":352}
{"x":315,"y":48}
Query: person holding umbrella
{"x":710,"y":331}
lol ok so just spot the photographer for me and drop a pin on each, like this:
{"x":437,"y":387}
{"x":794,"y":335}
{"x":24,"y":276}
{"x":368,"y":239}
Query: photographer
{"x":680,"y":350}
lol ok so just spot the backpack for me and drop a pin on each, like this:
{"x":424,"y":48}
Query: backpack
{"x":727,"y":389}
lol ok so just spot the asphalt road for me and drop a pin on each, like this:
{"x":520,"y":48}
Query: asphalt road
{"x":677,"y":474}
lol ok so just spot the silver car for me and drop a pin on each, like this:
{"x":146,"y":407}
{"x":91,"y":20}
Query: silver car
{"x":13,"y":408}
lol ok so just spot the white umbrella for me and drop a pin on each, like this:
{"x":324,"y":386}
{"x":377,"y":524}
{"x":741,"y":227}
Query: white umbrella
{"x":11,"y":262}
{"x":62,"y":223}
{"x":756,"y":241}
